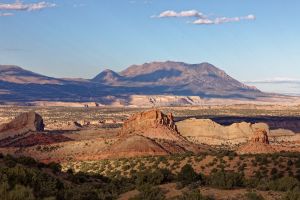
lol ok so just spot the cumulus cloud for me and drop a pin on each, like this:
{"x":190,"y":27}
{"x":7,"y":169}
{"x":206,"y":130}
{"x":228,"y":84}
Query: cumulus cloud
{"x":185,"y":13}
{"x":20,"y":6}
{"x":202,"y":19}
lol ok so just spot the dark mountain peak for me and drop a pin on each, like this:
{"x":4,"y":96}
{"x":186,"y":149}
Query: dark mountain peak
{"x":107,"y":76}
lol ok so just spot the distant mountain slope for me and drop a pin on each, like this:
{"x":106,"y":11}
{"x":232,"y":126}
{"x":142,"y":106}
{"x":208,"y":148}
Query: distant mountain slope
{"x":156,"y":78}
{"x":180,"y":79}
{"x":15,"y":74}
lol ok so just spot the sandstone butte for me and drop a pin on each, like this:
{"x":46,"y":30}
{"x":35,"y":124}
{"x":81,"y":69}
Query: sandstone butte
{"x":151,"y":133}
{"x":27,"y":130}
{"x":152,"y":124}
{"x":259,"y":143}
{"x":21,"y":125}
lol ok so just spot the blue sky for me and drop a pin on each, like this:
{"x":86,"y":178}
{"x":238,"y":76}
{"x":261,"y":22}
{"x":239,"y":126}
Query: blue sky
{"x":80,"y":38}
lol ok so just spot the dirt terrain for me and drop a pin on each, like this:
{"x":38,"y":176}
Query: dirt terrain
{"x":99,"y":133}
{"x":171,"y":192}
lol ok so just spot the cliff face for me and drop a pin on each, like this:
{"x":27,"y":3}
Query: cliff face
{"x":21,"y":125}
{"x":260,"y":136}
{"x":151,"y":124}
{"x":210,"y":132}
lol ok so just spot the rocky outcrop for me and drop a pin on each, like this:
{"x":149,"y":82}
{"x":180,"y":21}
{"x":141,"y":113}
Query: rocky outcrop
{"x":151,"y":124}
{"x":154,"y":129}
{"x":259,"y":143}
{"x":22,"y":124}
{"x":209,"y":132}
{"x":260,"y":136}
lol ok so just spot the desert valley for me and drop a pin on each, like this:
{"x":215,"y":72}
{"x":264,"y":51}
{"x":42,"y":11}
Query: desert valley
{"x":149,"y":100}
{"x":255,"y":147}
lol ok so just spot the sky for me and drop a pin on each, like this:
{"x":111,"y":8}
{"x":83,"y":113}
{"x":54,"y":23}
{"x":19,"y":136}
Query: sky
{"x":254,"y":41}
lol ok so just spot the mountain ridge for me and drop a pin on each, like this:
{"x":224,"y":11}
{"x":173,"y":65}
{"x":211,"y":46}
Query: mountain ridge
{"x":155,"y":78}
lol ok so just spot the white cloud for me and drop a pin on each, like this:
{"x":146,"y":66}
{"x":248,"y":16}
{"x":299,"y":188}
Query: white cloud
{"x":276,"y":80}
{"x":222,"y":20}
{"x":202,"y":19}
{"x":20,"y":6}
{"x":185,"y":13}
{"x":6,"y":14}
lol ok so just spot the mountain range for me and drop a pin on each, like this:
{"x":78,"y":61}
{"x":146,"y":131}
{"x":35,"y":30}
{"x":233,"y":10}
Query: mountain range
{"x":155,"y":78}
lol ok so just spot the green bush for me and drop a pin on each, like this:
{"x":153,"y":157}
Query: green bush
{"x":226,"y":180}
{"x":253,"y":196}
{"x":192,"y":195}
{"x":187,"y":175}
{"x":148,"y":192}
{"x":19,"y":192}
{"x":55,"y":167}
{"x":292,"y":194}
{"x":153,"y":178}
{"x":284,"y":184}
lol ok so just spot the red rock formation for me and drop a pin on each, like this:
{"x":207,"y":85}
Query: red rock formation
{"x":260,"y":136}
{"x":22,"y":124}
{"x":259,"y":143}
{"x":152,"y":124}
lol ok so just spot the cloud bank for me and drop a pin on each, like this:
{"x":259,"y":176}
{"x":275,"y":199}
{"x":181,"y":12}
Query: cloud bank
{"x":20,"y":6}
{"x":200,"y":18}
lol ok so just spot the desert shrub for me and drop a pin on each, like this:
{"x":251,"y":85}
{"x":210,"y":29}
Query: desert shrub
{"x":70,"y":171}
{"x":192,"y":195}
{"x":242,"y":167}
{"x":262,"y":159}
{"x":187,"y":175}
{"x":292,"y":194}
{"x":55,"y":167}
{"x":10,"y":162}
{"x":41,"y":183}
{"x":298,"y":174}
{"x":198,"y":158}
{"x":284,"y":184}
{"x":226,"y":180}
{"x":126,"y":167}
{"x":289,"y":162}
{"x":81,"y":193}
{"x":274,"y":171}
{"x":252,"y":182}
{"x":149,"y":193}
{"x":19,"y":192}
{"x":153,"y":178}
{"x":253,"y":196}
{"x":28,"y":161}
{"x":78,"y":178}
{"x":297,"y":163}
